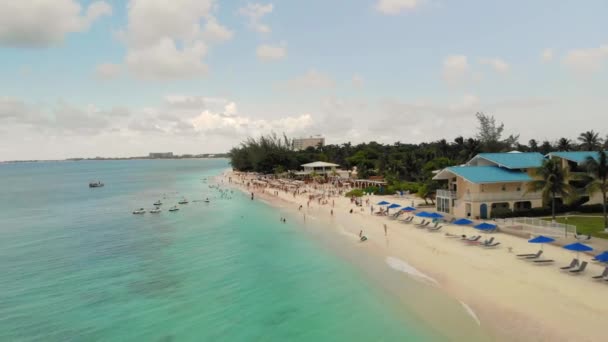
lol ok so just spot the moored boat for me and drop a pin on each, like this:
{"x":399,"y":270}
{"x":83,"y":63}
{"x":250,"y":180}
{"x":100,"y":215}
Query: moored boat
{"x":183,"y":201}
{"x":174,"y":208}
{"x":155,"y":210}
{"x":157,"y":203}
{"x":139,"y":211}
{"x":95,"y":184}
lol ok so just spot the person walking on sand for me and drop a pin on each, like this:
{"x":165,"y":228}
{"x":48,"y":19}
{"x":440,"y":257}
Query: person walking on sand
{"x":385,"y":229}
{"x":332,"y":212}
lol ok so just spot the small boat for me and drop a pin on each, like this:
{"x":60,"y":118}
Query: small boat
{"x":183,"y":201}
{"x":206,"y":200}
{"x":157,"y":203}
{"x":174,"y":208}
{"x":139,"y":211}
{"x":155,"y":210}
{"x":95,"y":184}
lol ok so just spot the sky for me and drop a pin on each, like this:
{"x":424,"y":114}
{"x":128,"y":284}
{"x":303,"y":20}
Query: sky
{"x":118,"y":78}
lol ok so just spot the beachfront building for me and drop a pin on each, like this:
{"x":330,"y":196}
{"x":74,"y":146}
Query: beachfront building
{"x":488,"y":182}
{"x":575,"y":162}
{"x":319,"y":168}
{"x":300,"y":144}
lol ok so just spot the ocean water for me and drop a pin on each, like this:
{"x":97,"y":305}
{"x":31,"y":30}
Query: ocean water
{"x":76,"y":265}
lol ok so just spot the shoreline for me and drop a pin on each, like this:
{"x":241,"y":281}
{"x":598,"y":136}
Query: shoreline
{"x":514,"y":299}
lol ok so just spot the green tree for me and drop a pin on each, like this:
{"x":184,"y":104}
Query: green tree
{"x":598,"y":170}
{"x":426,"y":191}
{"x":490,"y":134}
{"x":552,"y":180}
{"x":533,"y":144}
{"x":564,"y":144}
{"x":590,"y":141}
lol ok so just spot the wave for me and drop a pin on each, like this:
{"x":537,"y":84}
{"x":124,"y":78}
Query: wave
{"x":402,"y":266}
{"x":470,"y":312}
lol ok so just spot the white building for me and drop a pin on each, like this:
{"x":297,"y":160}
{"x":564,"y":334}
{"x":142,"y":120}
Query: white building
{"x":304,"y":143}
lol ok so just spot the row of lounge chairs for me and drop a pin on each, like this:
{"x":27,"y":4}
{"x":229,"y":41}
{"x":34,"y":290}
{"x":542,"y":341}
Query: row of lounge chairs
{"x":575,"y":266}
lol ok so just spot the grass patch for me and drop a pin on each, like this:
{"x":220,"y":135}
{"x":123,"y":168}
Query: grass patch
{"x":587,"y":225}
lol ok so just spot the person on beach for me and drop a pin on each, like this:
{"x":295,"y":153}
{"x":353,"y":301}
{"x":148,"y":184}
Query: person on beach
{"x":332,"y":212}
{"x":371,"y":210}
{"x":351,"y":210}
{"x":385,"y":229}
{"x":252,"y":196}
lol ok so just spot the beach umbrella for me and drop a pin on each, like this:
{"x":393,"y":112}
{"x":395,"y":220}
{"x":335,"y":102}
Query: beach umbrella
{"x":463,"y":222}
{"x":485,"y":226}
{"x":408,"y":209}
{"x":578,"y":247}
{"x":602,"y":257}
{"x":435,"y":215}
{"x":382,"y":203}
{"x":422,"y":214}
{"x":392,"y":206}
{"x":542,"y":240}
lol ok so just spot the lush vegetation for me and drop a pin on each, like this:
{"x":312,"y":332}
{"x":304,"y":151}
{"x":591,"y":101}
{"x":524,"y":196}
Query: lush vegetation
{"x":409,"y":167}
{"x":553,"y":181}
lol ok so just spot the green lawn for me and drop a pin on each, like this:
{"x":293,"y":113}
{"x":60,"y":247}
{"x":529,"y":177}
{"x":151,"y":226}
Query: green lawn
{"x":587,"y":224}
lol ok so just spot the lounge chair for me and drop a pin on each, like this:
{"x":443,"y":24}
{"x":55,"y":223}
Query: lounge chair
{"x":580,"y":269}
{"x":582,"y":237}
{"x":434,"y":229}
{"x":408,"y":220}
{"x":472,"y":238}
{"x":527,"y":255}
{"x":573,"y":264}
{"x":423,"y":225}
{"x":534,"y":256}
{"x":543,"y":261}
{"x":604,"y":274}
{"x":453,"y":235}
{"x":489,"y":243}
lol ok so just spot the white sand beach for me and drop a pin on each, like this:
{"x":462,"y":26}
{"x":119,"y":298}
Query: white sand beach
{"x":516,"y":299}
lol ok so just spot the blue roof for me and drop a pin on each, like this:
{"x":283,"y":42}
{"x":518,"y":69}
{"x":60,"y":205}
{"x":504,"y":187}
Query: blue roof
{"x":489,"y":174}
{"x":514,"y":160}
{"x":577,"y":157}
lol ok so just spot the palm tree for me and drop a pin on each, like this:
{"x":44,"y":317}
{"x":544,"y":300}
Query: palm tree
{"x":552,"y":181}
{"x":590,"y":141}
{"x":598,"y":170}
{"x":533,"y":145}
{"x":564,"y":144}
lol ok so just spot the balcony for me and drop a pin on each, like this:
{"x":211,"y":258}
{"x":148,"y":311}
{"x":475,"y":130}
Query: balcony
{"x":503,"y":196}
{"x":446,"y":194}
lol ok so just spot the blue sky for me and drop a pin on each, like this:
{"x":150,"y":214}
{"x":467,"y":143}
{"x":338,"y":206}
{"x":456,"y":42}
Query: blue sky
{"x":119,"y":78}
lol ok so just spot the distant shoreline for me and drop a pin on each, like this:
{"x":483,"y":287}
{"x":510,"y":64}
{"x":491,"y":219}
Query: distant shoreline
{"x":103,"y":159}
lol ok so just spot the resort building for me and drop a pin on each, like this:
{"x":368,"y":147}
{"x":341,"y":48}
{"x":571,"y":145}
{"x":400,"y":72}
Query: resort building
{"x":488,"y":182}
{"x":304,"y":143}
{"x":575,"y":162}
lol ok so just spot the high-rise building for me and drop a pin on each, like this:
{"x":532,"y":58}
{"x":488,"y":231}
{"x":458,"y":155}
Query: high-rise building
{"x":304,"y":143}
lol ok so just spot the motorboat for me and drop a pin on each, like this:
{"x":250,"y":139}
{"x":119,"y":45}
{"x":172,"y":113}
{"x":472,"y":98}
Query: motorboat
{"x":183,"y":201}
{"x":155,"y":210}
{"x":174,"y":208}
{"x":139,"y":211}
{"x":157,"y":203}
{"x":206,"y":200}
{"x":95,"y":184}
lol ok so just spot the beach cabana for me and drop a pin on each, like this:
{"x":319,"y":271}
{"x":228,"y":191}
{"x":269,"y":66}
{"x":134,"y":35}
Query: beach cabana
{"x":578,"y":247}
{"x":542,"y":240}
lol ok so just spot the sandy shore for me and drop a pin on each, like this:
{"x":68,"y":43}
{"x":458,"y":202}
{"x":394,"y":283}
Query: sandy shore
{"x":516,"y":299}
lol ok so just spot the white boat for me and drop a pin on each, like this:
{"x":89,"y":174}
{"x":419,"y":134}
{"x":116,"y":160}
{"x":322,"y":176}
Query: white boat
{"x":155,"y":210}
{"x":139,"y":211}
{"x":174,"y":208}
{"x":183,"y":201}
{"x":157,"y":203}
{"x":95,"y":184}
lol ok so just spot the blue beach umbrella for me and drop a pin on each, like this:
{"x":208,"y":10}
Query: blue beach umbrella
{"x":462,"y":222}
{"x":393,"y":206}
{"x":435,"y":215}
{"x":423,"y":214}
{"x":485,"y":226}
{"x":578,"y":247}
{"x":382,"y":203}
{"x":408,"y":209}
{"x":542,"y":240}
{"x":602,"y":257}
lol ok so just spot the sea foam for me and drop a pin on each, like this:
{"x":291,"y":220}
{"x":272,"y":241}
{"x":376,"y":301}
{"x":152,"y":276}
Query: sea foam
{"x":402,"y":266}
{"x":470,"y":312}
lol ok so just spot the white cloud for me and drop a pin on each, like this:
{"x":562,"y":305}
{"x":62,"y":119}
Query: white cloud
{"x":166,"y":41}
{"x":164,"y":61}
{"x":497,"y":64}
{"x":43,"y":23}
{"x":585,"y":61}
{"x":255,"y":12}
{"x":546,"y":56}
{"x":312,"y":79}
{"x":271,"y":53}
{"x":107,"y":71}
{"x":393,"y":7}
{"x":215,"y":32}
{"x":456,"y":69}
{"x":357,"y":81}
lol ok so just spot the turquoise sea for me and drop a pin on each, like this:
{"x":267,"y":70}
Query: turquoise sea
{"x":77,"y":265}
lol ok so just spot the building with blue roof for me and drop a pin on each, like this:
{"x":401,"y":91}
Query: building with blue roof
{"x":488,"y":182}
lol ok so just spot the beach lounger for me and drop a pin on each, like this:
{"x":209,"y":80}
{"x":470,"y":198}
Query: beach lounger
{"x":580,"y":269}
{"x":434,"y":229}
{"x":573,"y":264}
{"x":543,"y":261}
{"x":527,"y":255}
{"x":423,"y":225}
{"x":604,"y":274}
{"x":472,"y":238}
{"x":453,"y":235}
{"x":535,"y":256}
{"x":582,"y":237}
{"x":487,"y":242}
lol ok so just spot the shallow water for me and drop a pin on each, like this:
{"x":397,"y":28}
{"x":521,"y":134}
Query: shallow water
{"x":77,"y":265}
